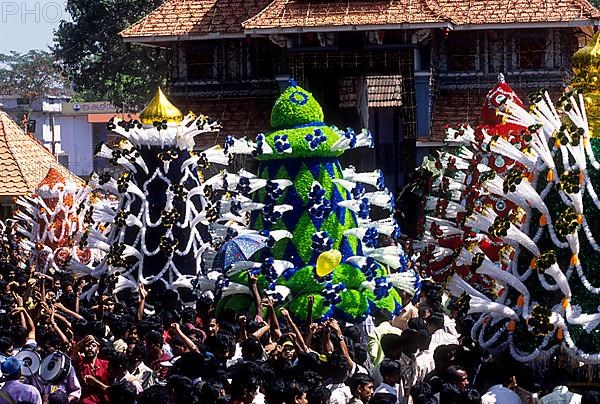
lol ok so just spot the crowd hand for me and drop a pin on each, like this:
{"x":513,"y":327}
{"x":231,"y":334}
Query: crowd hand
{"x":18,"y":299}
{"x":83,"y":343}
{"x":335,"y":326}
{"x":314,"y":328}
{"x":12,"y":284}
{"x":143,"y":292}
{"x":18,"y":310}
{"x":176,"y":327}
{"x":89,"y":379}
{"x":252,"y":278}
{"x":311,"y":300}
{"x":284,"y":313}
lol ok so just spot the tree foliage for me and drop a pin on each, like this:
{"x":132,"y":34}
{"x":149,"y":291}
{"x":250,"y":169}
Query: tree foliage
{"x":100,"y":64}
{"x":30,"y":75}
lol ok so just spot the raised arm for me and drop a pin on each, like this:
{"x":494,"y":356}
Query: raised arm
{"x":288,"y":319}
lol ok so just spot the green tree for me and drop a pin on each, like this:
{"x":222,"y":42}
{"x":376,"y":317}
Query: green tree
{"x":595,"y":3}
{"x":94,"y":56}
{"x":30,"y":75}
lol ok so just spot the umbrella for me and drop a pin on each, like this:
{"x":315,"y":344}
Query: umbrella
{"x":239,"y":248}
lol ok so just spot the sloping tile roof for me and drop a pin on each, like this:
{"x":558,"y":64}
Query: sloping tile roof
{"x":384,"y":91}
{"x":306,"y":13}
{"x":517,"y":11}
{"x":24,"y":162}
{"x":281,"y":14}
{"x":195,"y":17}
{"x":239,"y":116}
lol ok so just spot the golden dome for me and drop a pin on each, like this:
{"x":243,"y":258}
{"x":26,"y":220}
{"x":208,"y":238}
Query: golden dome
{"x":160,"y":109}
{"x":588,"y":55}
{"x":586,"y":69}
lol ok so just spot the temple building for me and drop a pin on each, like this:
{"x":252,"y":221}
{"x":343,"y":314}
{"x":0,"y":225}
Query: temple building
{"x":403,"y":68}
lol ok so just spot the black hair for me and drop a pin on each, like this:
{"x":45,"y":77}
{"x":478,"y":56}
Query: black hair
{"x":421,"y":393}
{"x":156,"y":394}
{"x":470,"y":397}
{"x":58,"y":397}
{"x":118,"y":359}
{"x":591,"y":397}
{"x":182,"y":388}
{"x":389,"y":367}
{"x":154,"y":337}
{"x":417,"y":323}
{"x":383,"y":398}
{"x":357,"y":380}
{"x":450,"y":394}
{"x":318,"y":394}
{"x":436,"y":321}
{"x":124,"y":393}
{"x":251,"y":348}
{"x":338,"y":368}
{"x":424,"y":340}
{"x":391,"y":345}
{"x":211,"y":391}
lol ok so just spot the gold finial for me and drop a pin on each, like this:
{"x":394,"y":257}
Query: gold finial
{"x":586,"y":67}
{"x":160,"y":109}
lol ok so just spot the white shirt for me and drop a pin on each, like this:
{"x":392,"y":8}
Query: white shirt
{"x":387,"y":389}
{"x":561,"y":395}
{"x":441,"y":337}
{"x":501,"y":395}
{"x":340,"y":393}
{"x":425,"y":364}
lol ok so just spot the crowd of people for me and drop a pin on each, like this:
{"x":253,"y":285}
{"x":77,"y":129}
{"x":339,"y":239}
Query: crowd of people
{"x":147,"y":347}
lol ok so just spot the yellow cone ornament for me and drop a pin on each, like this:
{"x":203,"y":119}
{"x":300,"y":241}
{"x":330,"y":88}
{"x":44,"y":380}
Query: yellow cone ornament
{"x":327,"y":261}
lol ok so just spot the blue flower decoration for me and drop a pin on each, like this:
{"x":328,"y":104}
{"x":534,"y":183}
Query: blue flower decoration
{"x":321,"y":241}
{"x":331,"y":293}
{"x":243,"y":186}
{"x":236,"y":207}
{"x":318,"y":206}
{"x":382,"y":287}
{"x":358,"y":191}
{"x":273,"y":192}
{"x":380,"y":182}
{"x":364,"y":209}
{"x":281,"y":143}
{"x":369,"y":269}
{"x":370,"y":237}
{"x":298,"y":98}
{"x":229,"y":141}
{"x":270,"y":215}
{"x":221,"y":283}
{"x":260,"y":140}
{"x":315,"y":139}
{"x":350,"y":134}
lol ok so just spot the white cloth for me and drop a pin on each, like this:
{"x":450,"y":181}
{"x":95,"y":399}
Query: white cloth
{"x":385,"y":388}
{"x":425,"y":364}
{"x":442,"y":337}
{"x":134,"y":381}
{"x":501,"y":395}
{"x":17,"y":391}
{"x":561,"y":395}
{"x":340,"y":393}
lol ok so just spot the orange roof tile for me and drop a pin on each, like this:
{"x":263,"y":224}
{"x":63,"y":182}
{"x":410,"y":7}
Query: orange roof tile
{"x":282,"y":14}
{"x":189,"y":18}
{"x":306,"y":13}
{"x":517,"y":11}
{"x":24,"y":162}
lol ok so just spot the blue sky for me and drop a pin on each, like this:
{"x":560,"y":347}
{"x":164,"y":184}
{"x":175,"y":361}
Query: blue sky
{"x":28,"y":24}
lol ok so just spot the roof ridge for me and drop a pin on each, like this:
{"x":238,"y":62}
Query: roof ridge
{"x":260,"y":12}
{"x":3,"y":129}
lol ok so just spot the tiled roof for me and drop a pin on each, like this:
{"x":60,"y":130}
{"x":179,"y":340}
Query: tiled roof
{"x":24,"y":162}
{"x":517,"y":11}
{"x":384,"y":91}
{"x":239,"y":116}
{"x":195,"y":17}
{"x":306,"y":13}
{"x":454,"y":108}
{"x":282,"y":14}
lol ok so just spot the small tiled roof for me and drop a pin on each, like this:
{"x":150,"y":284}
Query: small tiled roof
{"x":517,"y":11}
{"x":239,"y":116}
{"x":384,"y":91}
{"x":306,"y":13}
{"x":24,"y":162}
{"x":189,"y":18}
